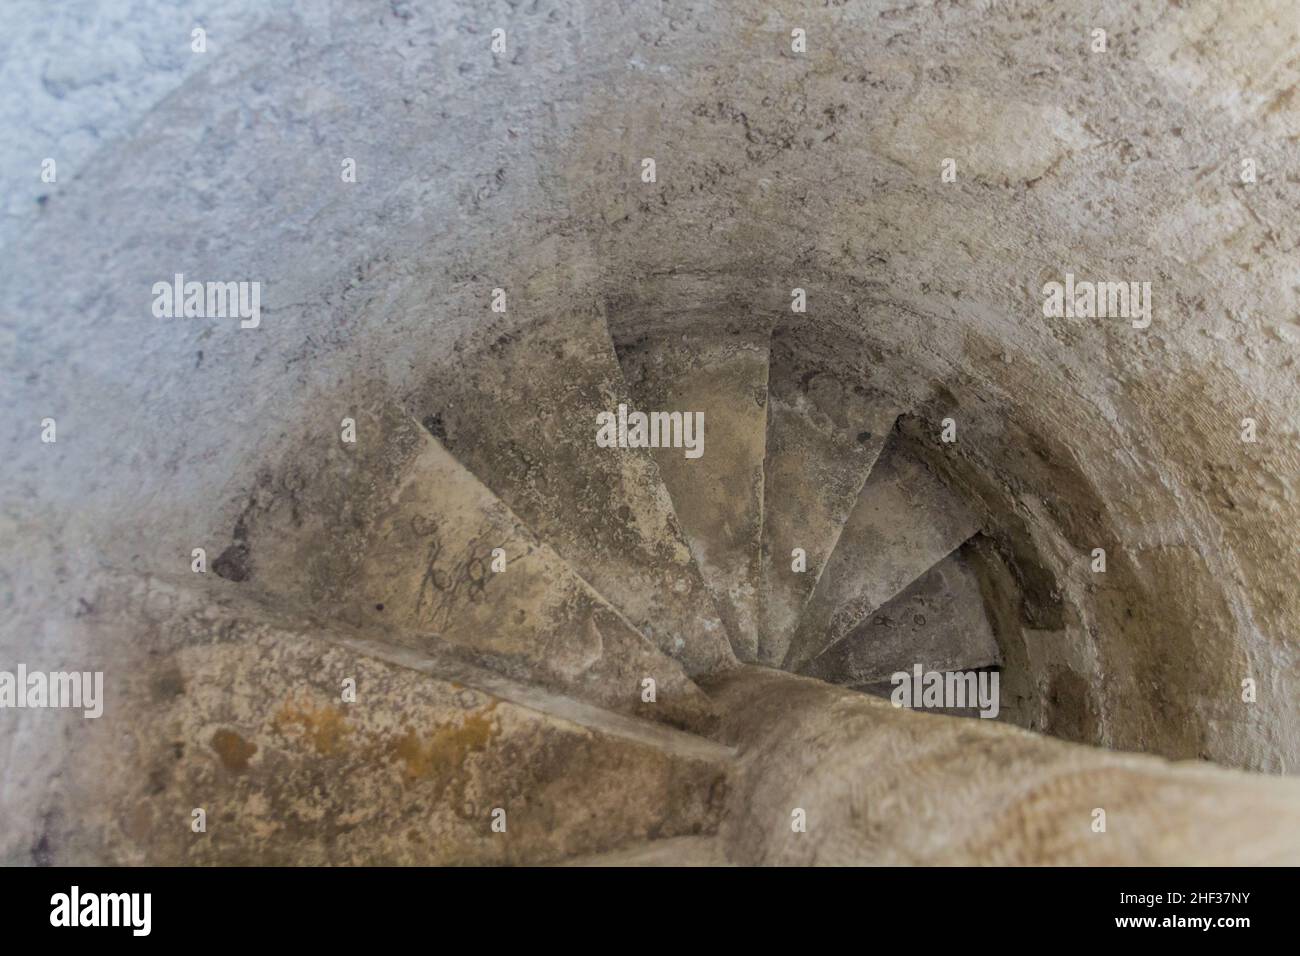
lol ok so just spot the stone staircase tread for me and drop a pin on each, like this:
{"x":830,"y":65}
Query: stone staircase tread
{"x":350,"y":751}
{"x":904,"y":521}
{"x":438,"y":554}
{"x":519,"y":411}
{"x":938,"y":621}
{"x":824,"y":433}
{"x":721,"y":372}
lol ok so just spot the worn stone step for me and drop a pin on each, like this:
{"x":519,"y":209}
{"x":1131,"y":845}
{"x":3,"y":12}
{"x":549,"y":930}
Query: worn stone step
{"x":889,"y":786}
{"x":824,"y":432}
{"x":904,"y":521}
{"x":886,"y":689}
{"x":520,"y":411}
{"x":421,"y":547}
{"x":938,"y":621}
{"x":674,"y":851}
{"x":217,"y":703}
{"x":719,"y":370}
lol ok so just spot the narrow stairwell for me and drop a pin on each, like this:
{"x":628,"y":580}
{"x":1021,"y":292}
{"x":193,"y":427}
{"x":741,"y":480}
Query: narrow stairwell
{"x":552,"y":624}
{"x":407,"y":535}
{"x":478,"y":534}
{"x":367,"y":586}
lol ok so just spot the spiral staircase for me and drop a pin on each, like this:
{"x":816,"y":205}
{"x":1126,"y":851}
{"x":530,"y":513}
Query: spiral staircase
{"x":366,"y":589}
{"x":616,"y":584}
{"x":475,"y":533}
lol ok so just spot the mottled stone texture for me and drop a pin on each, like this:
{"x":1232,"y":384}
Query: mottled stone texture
{"x":217,"y":705}
{"x":826,"y":425}
{"x":903,"y":523}
{"x":938,"y":621}
{"x":703,"y":365}
{"x":892,"y":787}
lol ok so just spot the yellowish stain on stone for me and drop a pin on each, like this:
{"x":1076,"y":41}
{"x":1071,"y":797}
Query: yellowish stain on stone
{"x":443,"y":752}
{"x":325,"y":727}
{"x":233,"y":750}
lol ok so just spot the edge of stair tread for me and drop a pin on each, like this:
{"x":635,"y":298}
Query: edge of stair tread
{"x":964,"y":589}
{"x":217,"y":601}
{"x":651,"y":361}
{"x":805,"y":419}
{"x":538,"y":699}
{"x":705,"y":645}
{"x":963,"y":521}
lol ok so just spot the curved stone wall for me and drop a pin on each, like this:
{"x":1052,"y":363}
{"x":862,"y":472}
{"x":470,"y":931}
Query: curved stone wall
{"x":775,"y":170}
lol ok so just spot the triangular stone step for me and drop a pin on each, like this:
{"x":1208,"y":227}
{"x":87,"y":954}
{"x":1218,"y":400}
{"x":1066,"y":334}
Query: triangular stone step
{"x":675,"y":851}
{"x":306,"y":745}
{"x":938,"y":621}
{"x":904,"y":522}
{"x":720,"y":371}
{"x":824,"y":433}
{"x":520,"y":411}
{"x":422,"y":563}
{"x":885,"y":689}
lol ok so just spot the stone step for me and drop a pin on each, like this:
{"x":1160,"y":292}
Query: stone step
{"x":674,"y":851}
{"x":887,"y":786}
{"x":216,"y":703}
{"x":886,"y":689}
{"x":824,"y":433}
{"x":938,"y":621}
{"x":721,"y":372}
{"x":904,"y":522}
{"x":422,"y":547}
{"x":520,"y":411}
